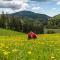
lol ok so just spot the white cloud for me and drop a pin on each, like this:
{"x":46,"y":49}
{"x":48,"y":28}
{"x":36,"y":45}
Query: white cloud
{"x":51,"y":12}
{"x":12,"y":6}
{"x":15,"y":0}
{"x":9,"y":10}
{"x":15,"y":5}
{"x":58,"y":3}
{"x":38,"y":9}
{"x":53,"y":8}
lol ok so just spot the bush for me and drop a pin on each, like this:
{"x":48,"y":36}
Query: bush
{"x":50,"y":32}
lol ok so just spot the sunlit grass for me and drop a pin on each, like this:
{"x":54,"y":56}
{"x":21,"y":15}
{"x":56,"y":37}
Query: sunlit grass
{"x":18,"y":47}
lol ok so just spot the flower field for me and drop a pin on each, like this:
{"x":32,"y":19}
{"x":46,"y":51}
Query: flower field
{"x":18,"y":47}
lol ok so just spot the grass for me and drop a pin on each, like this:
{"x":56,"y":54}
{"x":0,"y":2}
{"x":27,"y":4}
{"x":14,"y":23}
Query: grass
{"x":6,"y":32}
{"x":16,"y":46}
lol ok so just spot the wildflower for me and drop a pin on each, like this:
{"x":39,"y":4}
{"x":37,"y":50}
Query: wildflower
{"x":29,"y":52}
{"x":42,"y":43}
{"x":33,"y":46}
{"x":3,"y":50}
{"x":6,"y":52}
{"x":52,"y":57}
{"x":2,"y":45}
{"x":17,"y":38}
{"x":14,"y":50}
{"x":21,"y":44}
{"x":58,"y":49}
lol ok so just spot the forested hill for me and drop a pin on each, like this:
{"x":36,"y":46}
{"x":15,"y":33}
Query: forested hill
{"x":24,"y":21}
{"x":54,"y":22}
{"x":32,"y":15}
{"x":57,"y":16}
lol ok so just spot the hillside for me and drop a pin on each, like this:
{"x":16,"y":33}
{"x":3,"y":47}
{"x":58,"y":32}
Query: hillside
{"x":6,"y":32}
{"x":32,"y":15}
{"x":57,"y":16}
{"x":45,"y":47}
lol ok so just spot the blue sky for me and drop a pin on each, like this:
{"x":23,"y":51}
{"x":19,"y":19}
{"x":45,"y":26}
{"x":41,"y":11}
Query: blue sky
{"x":48,"y":7}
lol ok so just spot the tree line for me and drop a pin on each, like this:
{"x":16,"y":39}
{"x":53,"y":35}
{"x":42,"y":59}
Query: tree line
{"x":25,"y":24}
{"x":54,"y":23}
{"x":21,"y":24}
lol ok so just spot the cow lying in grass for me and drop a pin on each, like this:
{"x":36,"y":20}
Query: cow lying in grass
{"x":32,"y":35}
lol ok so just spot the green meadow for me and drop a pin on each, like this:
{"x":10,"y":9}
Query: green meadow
{"x":16,"y":46}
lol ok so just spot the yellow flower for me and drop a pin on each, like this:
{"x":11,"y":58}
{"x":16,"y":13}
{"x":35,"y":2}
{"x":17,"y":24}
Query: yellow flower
{"x":42,"y":43}
{"x":6,"y":52}
{"x":14,"y":50}
{"x":29,"y":52}
{"x":3,"y":50}
{"x":58,"y":49}
{"x":7,"y":47}
{"x":52,"y":57}
{"x":2,"y":45}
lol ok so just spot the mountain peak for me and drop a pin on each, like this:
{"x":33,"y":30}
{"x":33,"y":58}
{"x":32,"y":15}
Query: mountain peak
{"x":30,"y":14}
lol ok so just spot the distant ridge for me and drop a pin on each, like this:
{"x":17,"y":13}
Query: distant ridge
{"x":32,"y":15}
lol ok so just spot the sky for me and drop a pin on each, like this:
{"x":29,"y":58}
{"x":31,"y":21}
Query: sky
{"x":48,"y":7}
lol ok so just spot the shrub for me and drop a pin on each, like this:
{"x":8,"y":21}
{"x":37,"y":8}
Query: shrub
{"x":50,"y":31}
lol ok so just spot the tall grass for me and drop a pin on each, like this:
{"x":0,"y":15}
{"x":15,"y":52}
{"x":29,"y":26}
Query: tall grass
{"x":18,"y":47}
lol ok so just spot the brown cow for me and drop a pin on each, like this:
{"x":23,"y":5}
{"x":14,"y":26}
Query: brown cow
{"x":32,"y":35}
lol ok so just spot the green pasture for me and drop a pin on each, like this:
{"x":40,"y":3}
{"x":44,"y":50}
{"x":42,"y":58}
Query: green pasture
{"x":15,"y":46}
